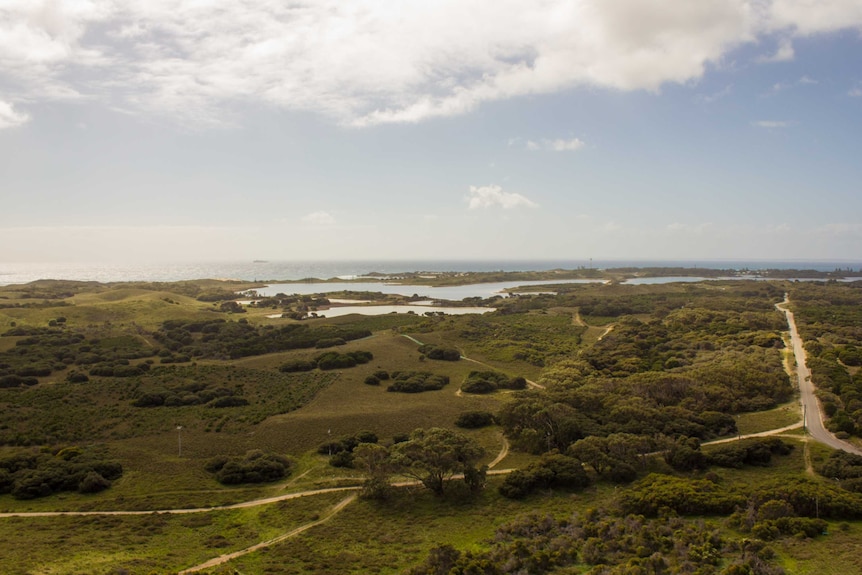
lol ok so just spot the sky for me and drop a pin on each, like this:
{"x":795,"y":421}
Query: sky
{"x":183,"y":130}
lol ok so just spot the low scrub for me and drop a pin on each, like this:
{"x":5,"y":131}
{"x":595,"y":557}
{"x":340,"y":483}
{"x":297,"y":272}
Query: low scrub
{"x":29,"y":475}
{"x":328,"y":360}
{"x":440,"y":352}
{"x":481,"y":382}
{"x":416,"y":381}
{"x":475,"y":419}
{"x":255,"y":466}
{"x":552,"y":471}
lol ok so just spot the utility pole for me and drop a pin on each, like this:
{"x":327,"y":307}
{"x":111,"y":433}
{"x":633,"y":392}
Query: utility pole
{"x":180,"y":440}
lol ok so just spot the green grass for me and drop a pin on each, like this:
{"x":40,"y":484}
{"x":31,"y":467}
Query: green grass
{"x":386,"y":538}
{"x":837,"y":553}
{"x":782,"y":416}
{"x":141,"y":544}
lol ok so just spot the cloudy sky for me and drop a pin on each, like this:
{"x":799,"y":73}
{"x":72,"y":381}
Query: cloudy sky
{"x":490,"y":129}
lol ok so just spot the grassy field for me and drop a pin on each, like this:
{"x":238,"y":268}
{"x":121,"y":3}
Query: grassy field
{"x":153,"y":543}
{"x":758,"y":421}
{"x":294,"y":413}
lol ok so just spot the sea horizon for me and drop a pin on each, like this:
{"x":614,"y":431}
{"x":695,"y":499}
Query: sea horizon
{"x":292,"y":270}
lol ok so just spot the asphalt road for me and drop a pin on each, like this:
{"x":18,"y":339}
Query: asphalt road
{"x":813,"y":414}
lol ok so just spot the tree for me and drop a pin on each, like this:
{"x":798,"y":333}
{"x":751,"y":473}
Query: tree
{"x":435,"y":455}
{"x":375,"y":461}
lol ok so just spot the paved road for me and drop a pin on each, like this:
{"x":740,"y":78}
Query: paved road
{"x":813,"y":418}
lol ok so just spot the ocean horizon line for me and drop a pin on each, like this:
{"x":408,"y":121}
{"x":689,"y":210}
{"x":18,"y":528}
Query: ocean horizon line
{"x":291,"y":270}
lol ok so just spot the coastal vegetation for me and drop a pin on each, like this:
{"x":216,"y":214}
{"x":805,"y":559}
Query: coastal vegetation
{"x":146,"y":397}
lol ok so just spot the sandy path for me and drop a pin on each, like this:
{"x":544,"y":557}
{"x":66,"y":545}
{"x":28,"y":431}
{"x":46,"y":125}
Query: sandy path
{"x":243,"y":505}
{"x":502,"y":455}
{"x":230,"y":556}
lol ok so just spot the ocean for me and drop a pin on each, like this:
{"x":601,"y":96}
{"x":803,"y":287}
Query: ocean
{"x":274,"y":271}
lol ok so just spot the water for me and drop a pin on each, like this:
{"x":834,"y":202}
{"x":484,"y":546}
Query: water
{"x":387,"y":309}
{"x":452,"y":293}
{"x":19,"y":273}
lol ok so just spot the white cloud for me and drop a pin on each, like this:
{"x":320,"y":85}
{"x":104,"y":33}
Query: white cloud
{"x":855,"y":91}
{"x":9,"y":118}
{"x":368,"y":62}
{"x":490,"y":196}
{"x":770,"y":124}
{"x":557,"y":145}
{"x":807,"y":80}
{"x":318,"y":219}
{"x":806,"y":17}
{"x":566,"y":145}
{"x":783,"y":53}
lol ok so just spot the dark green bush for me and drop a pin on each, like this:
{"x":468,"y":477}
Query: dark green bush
{"x":475,"y":419}
{"x":254,"y":467}
{"x":417,"y":382}
{"x":439,"y":352}
{"x":297,"y":365}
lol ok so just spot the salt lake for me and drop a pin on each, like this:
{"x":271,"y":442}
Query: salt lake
{"x":387,"y":309}
{"x":451,"y":293}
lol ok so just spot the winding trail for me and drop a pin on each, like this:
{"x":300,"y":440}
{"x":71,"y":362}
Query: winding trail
{"x":230,"y":556}
{"x":608,"y":330}
{"x":242,"y":505}
{"x":502,"y":455}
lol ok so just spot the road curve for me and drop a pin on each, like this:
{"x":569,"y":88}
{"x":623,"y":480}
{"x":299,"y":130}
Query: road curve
{"x":813,"y":413}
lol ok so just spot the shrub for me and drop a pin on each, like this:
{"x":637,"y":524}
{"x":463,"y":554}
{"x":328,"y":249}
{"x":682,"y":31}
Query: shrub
{"x":150,"y":400}
{"x":553,"y":470}
{"x":329,"y":342}
{"x":17,"y":381}
{"x":417,"y":382}
{"x":254,"y":467}
{"x":480,"y":386}
{"x":439,"y":352}
{"x":475,"y":419}
{"x":682,"y":496}
{"x":93,"y":482}
{"x":757,"y":452}
{"x":29,"y":475}
{"x":481,"y":382}
{"x":228,"y":401}
{"x":297,"y":365}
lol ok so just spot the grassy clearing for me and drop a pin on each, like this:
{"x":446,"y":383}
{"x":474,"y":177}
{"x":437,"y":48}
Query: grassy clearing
{"x":782,"y":416}
{"x":349,"y":405}
{"x":838,"y":553}
{"x":384,"y":538}
{"x":158,"y":543}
